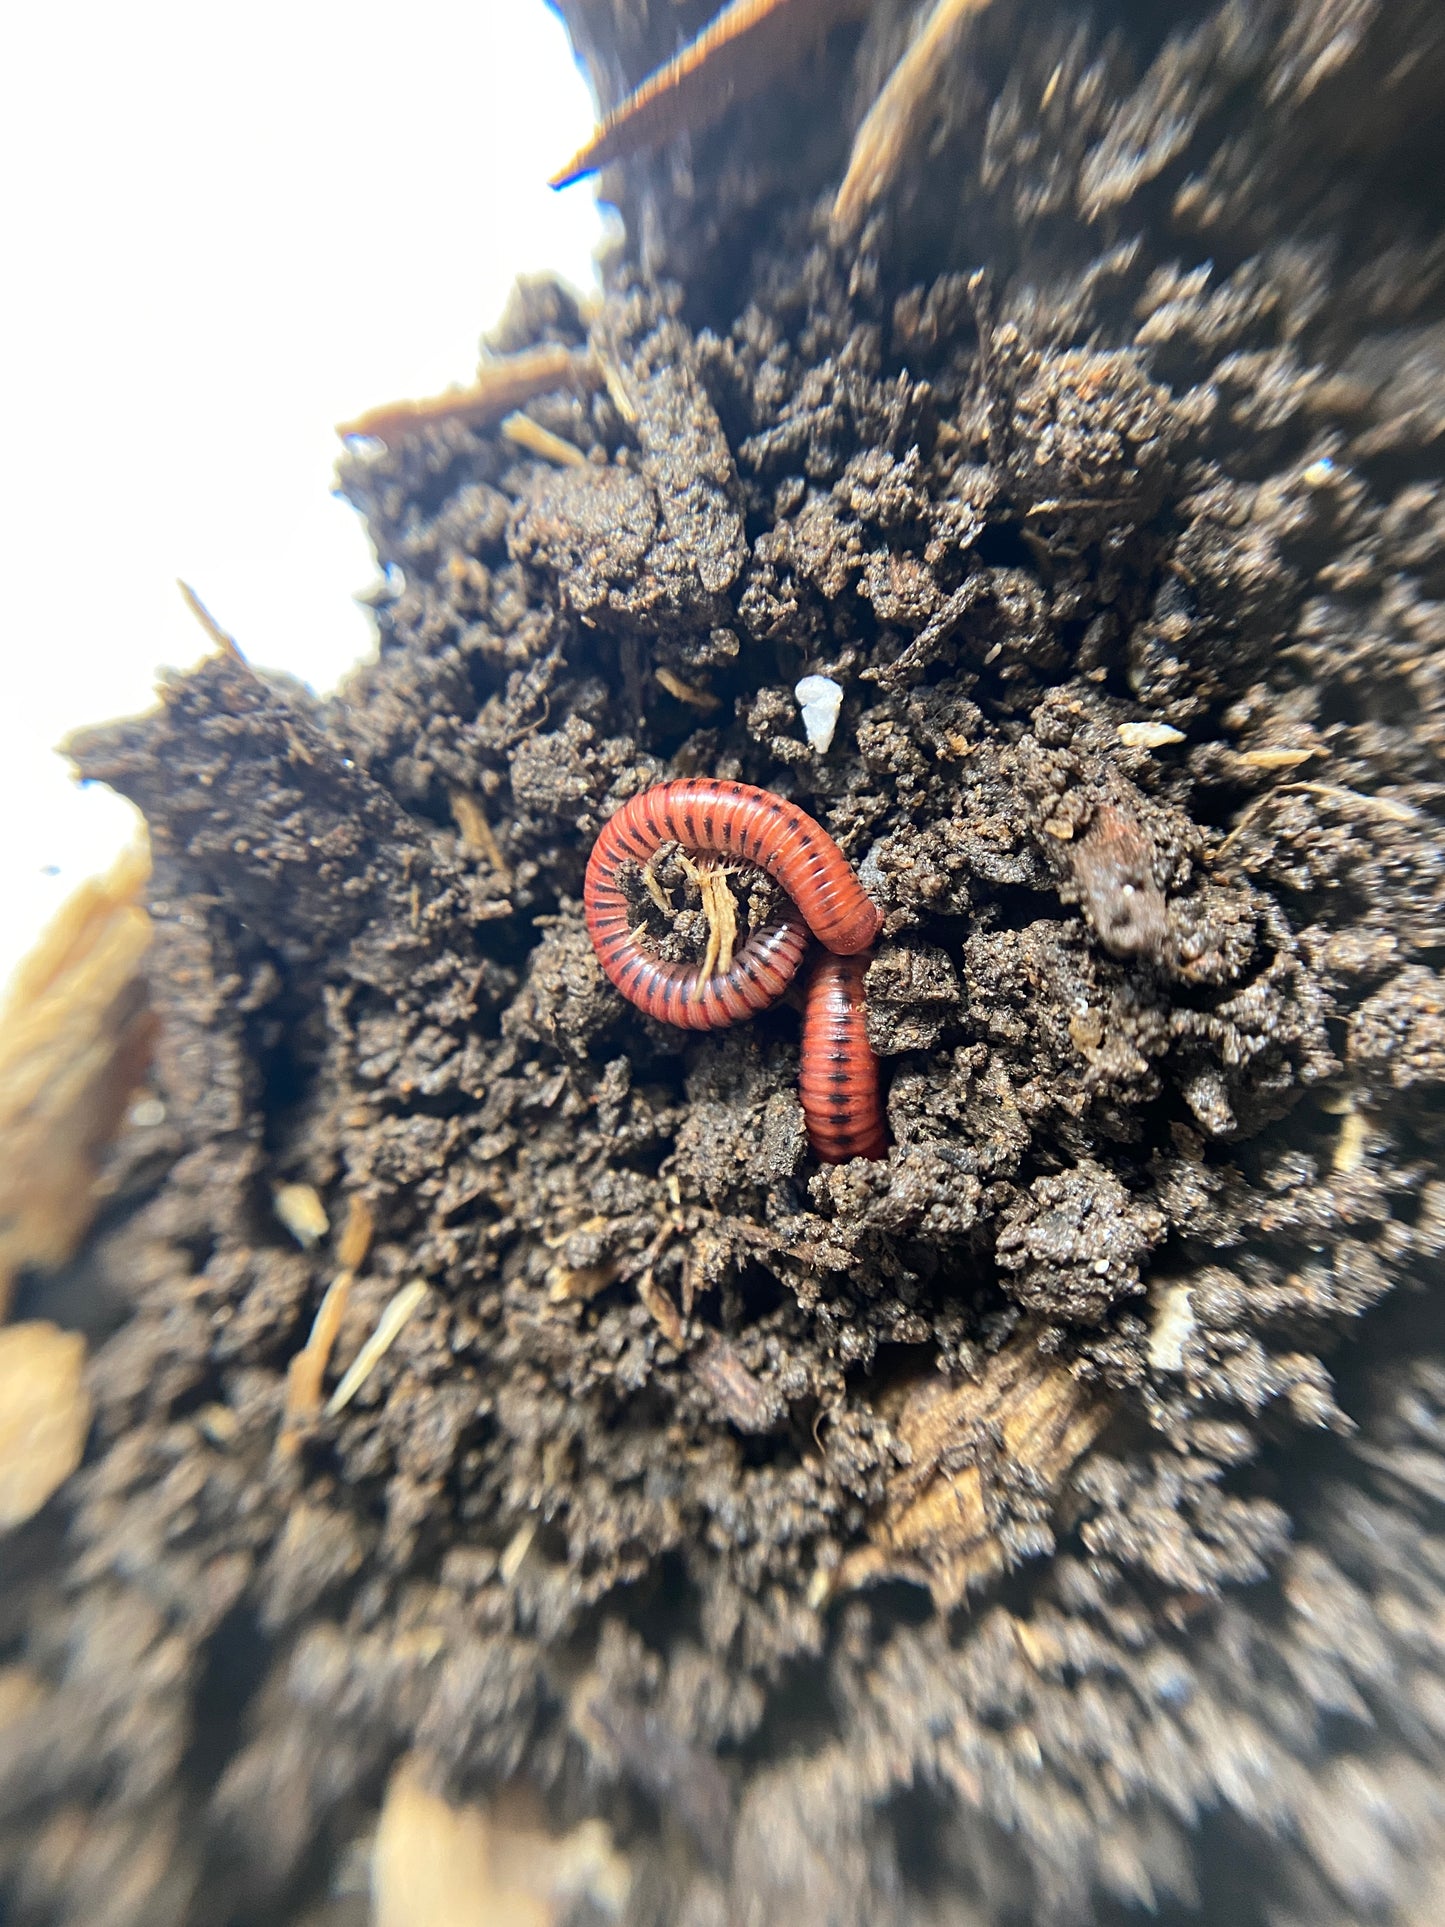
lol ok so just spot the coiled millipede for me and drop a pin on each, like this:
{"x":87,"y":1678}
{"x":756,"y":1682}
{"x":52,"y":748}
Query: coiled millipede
{"x":838,"y":1072}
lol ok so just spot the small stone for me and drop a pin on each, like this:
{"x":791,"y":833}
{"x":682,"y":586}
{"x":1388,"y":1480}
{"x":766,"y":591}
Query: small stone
{"x":820,"y":700}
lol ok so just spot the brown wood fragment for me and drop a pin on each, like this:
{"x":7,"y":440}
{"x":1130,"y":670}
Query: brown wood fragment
{"x":1023,"y":1423}
{"x":740,"y":1395}
{"x":893,"y":123}
{"x":478,"y":834}
{"x":307,"y":1370}
{"x":501,"y":386}
{"x":741,"y":49}
{"x":1113,"y":871}
{"x":686,"y":692}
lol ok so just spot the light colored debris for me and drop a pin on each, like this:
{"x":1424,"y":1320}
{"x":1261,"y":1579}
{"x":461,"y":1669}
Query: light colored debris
{"x":617,"y":390}
{"x":1349,"y":1151}
{"x":44,"y":1415}
{"x":720,"y":908}
{"x":478,"y":835}
{"x":299,"y":1208}
{"x":540,"y":441}
{"x":1276,"y":758}
{"x":222,"y":638}
{"x":1173,"y":1324}
{"x":502,"y":385}
{"x":820,"y":700}
{"x":21,"y":1693}
{"x":356,"y":1234}
{"x":742,"y":48}
{"x":388,"y":1330}
{"x":1385,"y":806}
{"x":1148,"y":735}
{"x":686,"y":692}
{"x":492,"y":1865}
{"x":579,"y":1284}
{"x":307,"y":1370}
{"x":75,"y":1037}
{"x":514,"y":1554}
{"x":654,"y":888}
{"x":895,"y":120}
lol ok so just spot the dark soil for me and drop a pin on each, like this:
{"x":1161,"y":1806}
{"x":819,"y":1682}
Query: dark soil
{"x":1126,"y":410}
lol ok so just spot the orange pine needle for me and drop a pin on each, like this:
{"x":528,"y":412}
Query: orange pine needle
{"x":740,"y":49}
{"x":501,"y":386}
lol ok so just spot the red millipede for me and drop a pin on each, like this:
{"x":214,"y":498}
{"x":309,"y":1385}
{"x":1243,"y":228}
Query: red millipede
{"x":738,"y":820}
{"x":837,"y":1070}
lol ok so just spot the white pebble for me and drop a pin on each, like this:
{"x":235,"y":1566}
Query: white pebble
{"x":820,"y":699}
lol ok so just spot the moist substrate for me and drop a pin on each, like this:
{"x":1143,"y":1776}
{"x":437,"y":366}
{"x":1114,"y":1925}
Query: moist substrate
{"x":1045,"y":1523}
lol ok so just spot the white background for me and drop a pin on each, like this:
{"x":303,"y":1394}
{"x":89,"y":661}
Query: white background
{"x":224,"y":231}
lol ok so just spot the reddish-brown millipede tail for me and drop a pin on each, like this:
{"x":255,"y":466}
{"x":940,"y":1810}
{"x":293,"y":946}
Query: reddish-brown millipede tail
{"x":838,"y":1073}
{"x":731,"y":820}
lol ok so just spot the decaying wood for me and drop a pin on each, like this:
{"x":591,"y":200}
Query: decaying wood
{"x":1017,"y":1429}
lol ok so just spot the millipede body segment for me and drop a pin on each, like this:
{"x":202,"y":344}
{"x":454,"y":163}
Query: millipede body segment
{"x":839,"y":1073}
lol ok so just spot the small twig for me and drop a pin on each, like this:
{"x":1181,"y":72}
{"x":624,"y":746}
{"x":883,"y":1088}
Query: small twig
{"x":741,"y":49}
{"x":501,"y":386}
{"x":388,"y":1328}
{"x":888,"y":130}
{"x":226,"y":643}
{"x":478,"y":834}
{"x":539,"y":441}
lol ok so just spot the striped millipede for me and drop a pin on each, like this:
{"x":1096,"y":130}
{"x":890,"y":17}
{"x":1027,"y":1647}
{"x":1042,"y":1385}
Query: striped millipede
{"x":838,"y":1074}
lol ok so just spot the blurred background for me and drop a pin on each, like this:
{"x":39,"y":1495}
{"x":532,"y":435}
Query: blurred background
{"x":193,"y":241}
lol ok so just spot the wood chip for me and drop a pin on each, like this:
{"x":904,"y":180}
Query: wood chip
{"x":492,"y":1865}
{"x":299,"y":1208}
{"x":44,"y":1416}
{"x":388,"y":1330}
{"x":75,"y":1038}
{"x":662,"y":1310}
{"x":526,"y":433}
{"x":1024,"y":1416}
{"x":1276,"y":758}
{"x":307,"y":1370}
{"x":741,"y":49}
{"x":502,"y":385}
{"x":896,"y":119}
{"x":356,"y":1233}
{"x":1148,"y":735}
